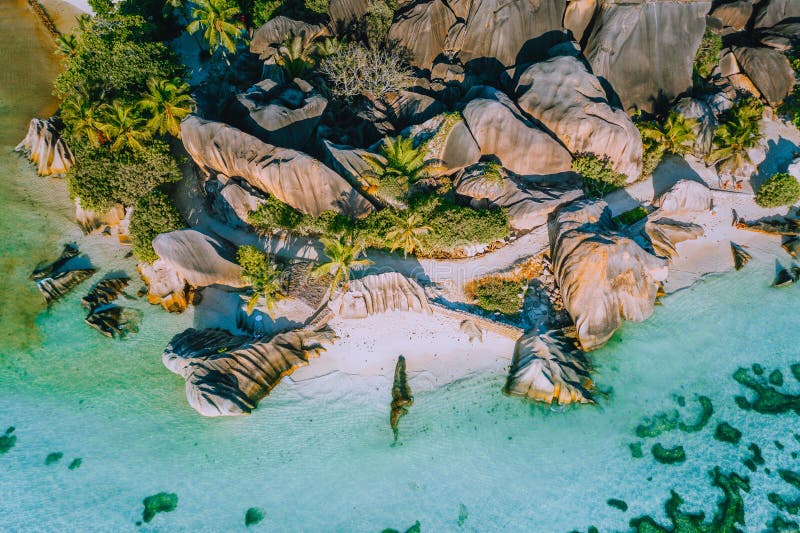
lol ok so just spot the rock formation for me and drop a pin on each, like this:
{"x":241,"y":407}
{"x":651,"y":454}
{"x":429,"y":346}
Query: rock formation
{"x":268,"y":39}
{"x":792,"y":247}
{"x":645,"y":49}
{"x":43,"y":270}
{"x":401,"y":395}
{"x":55,"y":286}
{"x":527,"y":207}
{"x":449,"y":144}
{"x":379,"y":293}
{"x":114,"y":321}
{"x":665,"y":234}
{"x":501,"y":130}
{"x":228,"y":375}
{"x":115,"y":220}
{"x":549,"y":368}
{"x":740,"y":256}
{"x":293,"y":177}
{"x":769,"y":70}
{"x":46,"y":148}
{"x":105,"y":292}
{"x":604,"y":277}
{"x":705,"y":123}
{"x":233,"y":201}
{"x":570,"y":102}
{"x":165,"y":287}
{"x":197,"y":258}
{"x":685,"y":195}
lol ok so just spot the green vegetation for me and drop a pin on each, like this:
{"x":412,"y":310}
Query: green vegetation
{"x":263,"y":275}
{"x":706,"y":411}
{"x":406,"y":233}
{"x":668,"y":456}
{"x":167,"y":102}
{"x":7,"y":440}
{"x":727,"y":433}
{"x":790,"y":108}
{"x":776,"y":378}
{"x":400,"y":164}
{"x":498,"y":294}
{"x":53,"y":458}
{"x":736,"y":134}
{"x":295,"y":58}
{"x":631,"y":217}
{"x":356,"y":71}
{"x":658,"y":424}
{"x":769,"y":400}
{"x":707,"y":55}
{"x":617,"y":504}
{"x":343,"y":257}
{"x":674,"y":135}
{"x":377,"y":21}
{"x":778,"y":190}
{"x":755,"y":460}
{"x":163,"y":502}
{"x":220,"y":22}
{"x":253,"y":516}
{"x":153,"y":214}
{"x":599,"y":178}
{"x":463,"y":514}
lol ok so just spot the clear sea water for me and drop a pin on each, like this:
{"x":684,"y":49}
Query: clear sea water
{"x":320,"y":460}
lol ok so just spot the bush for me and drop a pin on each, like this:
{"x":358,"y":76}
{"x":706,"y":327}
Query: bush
{"x":499,"y":294}
{"x":378,"y":20}
{"x":358,"y":71}
{"x":790,"y":108}
{"x":779,"y":190}
{"x":631,"y":217}
{"x":154,"y":214}
{"x":102,"y":178}
{"x":274,"y":215}
{"x":599,"y":178}
{"x":707,"y":55}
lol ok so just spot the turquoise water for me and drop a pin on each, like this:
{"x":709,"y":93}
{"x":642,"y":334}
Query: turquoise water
{"x":318,"y":456}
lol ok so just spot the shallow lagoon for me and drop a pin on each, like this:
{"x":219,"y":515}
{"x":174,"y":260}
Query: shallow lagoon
{"x":318,"y":456}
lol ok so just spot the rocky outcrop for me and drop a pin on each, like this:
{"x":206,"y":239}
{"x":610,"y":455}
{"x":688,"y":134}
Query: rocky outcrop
{"x":604,"y":276}
{"x":114,"y":321}
{"x":347,"y":14}
{"x":740,"y":256}
{"x":792,"y":247}
{"x":228,"y":375}
{"x":401,"y":395}
{"x":115,"y":220}
{"x":396,"y":111}
{"x":197,"y":258}
{"x":293,"y":177}
{"x":282,"y":115}
{"x":772,"y":12}
{"x":46,"y":149}
{"x":234,"y":201}
{"x":55,"y":286}
{"x":645,"y":49}
{"x":449,"y":144}
{"x":380,"y":293}
{"x":578,"y":16}
{"x":769,"y":70}
{"x":705,"y":123}
{"x":43,"y":270}
{"x":549,"y":368}
{"x":666,"y":233}
{"x":268,"y":39}
{"x":165,"y":287}
{"x":422,"y":29}
{"x":734,"y":14}
{"x":570,"y":102}
{"x":105,"y":292}
{"x":527,"y":208}
{"x":501,"y":130}
{"x":685,"y":195}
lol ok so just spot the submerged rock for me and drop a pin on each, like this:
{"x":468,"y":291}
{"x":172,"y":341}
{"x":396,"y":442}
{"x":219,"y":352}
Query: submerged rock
{"x":292,"y":177}
{"x":57,"y":285}
{"x":105,"y":292}
{"x":571,"y":103}
{"x":75,"y":464}
{"x":163,"y":502}
{"x":46,"y":148}
{"x":43,"y":270}
{"x":401,"y":395}
{"x":727,"y":433}
{"x":668,"y":456}
{"x":784,"y":278}
{"x":740,"y":256}
{"x":769,"y":400}
{"x":228,"y":374}
{"x":53,"y":458}
{"x":604,"y":276}
{"x":550,"y":368}
{"x":380,"y":293}
{"x":7,"y":440}
{"x":114,"y":321}
{"x":253,"y":516}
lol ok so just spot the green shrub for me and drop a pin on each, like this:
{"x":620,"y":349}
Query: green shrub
{"x":274,"y":215}
{"x":154,"y":214}
{"x":263,"y":10}
{"x":498,"y":294}
{"x":599,"y":178}
{"x":707,"y":55}
{"x":102,"y":178}
{"x":790,"y":108}
{"x":779,"y":190}
{"x":378,"y":20}
{"x":630,"y":217}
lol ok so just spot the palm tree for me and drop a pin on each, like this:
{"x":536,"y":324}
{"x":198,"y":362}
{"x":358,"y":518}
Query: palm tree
{"x":167,"y":102}
{"x":294,"y":57}
{"x":406,"y":232}
{"x":220,"y":23}
{"x":732,"y":140}
{"x":123,"y":126}
{"x":269,"y":284}
{"x":404,"y":164}
{"x":678,"y":133}
{"x":327,"y":47}
{"x":66,"y":44}
{"x":83,"y":118}
{"x":343,"y":257}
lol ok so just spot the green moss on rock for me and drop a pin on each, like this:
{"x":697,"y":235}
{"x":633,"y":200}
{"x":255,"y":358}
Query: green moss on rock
{"x":776,"y":378}
{"x":727,"y":433}
{"x":163,"y":502}
{"x":769,"y":400}
{"x":617,"y":504}
{"x":706,"y":411}
{"x":53,"y":458}
{"x":636,"y":450}
{"x":7,"y":440}
{"x":253,"y":516}
{"x":75,"y":464}
{"x":668,"y":456}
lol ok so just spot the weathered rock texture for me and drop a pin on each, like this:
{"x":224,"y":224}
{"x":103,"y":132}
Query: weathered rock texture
{"x":769,"y":70}
{"x":771,"y":12}
{"x":42,"y":271}
{"x":666,"y":233}
{"x":401,"y":395}
{"x":645,"y":49}
{"x":449,"y":144}
{"x":740,"y":256}
{"x":115,"y":220}
{"x":105,"y":292}
{"x":165,"y":287}
{"x":228,"y":375}
{"x":604,"y":277}
{"x":733,"y":14}
{"x":549,"y":368}
{"x":233,"y":201}
{"x":578,"y":16}
{"x":293,"y":177}
{"x":685,"y":195}
{"x":197,"y":258}
{"x":527,"y":208}
{"x":114,"y":321}
{"x":46,"y":148}
{"x":571,"y":103}
{"x":380,"y":293}
{"x":55,"y":286}
{"x":501,"y":130}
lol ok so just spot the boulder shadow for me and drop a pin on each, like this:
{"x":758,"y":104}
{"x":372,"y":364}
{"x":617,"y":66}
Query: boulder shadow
{"x":779,"y":156}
